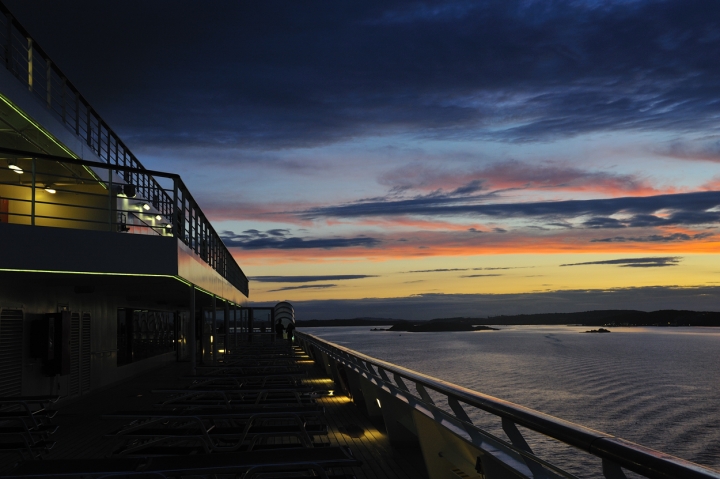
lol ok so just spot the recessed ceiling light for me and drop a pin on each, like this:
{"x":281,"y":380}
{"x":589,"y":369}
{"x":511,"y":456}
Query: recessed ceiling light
{"x":50,"y":190}
{"x":145,"y":206}
{"x":14,"y":167}
{"x":18,"y":171}
{"x":158,"y":217}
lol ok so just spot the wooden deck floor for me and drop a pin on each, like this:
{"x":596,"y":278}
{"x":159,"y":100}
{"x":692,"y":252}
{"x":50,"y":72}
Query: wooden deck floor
{"x":82,"y":430}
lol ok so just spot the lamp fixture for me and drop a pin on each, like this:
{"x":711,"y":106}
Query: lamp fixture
{"x":129,"y":190}
{"x":50,"y":189}
{"x":146,"y":206}
{"x":168,"y":226}
{"x":14,"y":167}
{"x":18,"y":170}
{"x":158,"y":217}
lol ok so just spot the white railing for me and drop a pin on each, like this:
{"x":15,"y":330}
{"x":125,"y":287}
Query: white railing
{"x":452,"y":444}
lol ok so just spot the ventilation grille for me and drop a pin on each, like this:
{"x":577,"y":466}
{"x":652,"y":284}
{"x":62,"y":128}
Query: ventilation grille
{"x":79,"y":353}
{"x":74,"y":354}
{"x":85,"y":353}
{"x":11,"y":339}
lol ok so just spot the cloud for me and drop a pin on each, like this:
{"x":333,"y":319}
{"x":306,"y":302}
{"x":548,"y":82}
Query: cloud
{"x":309,"y":279}
{"x":479,"y":275}
{"x":281,"y":239}
{"x":675,"y":237}
{"x":655,"y":262}
{"x":507,"y":267}
{"x":513,"y":174}
{"x":635,"y":211}
{"x":702,"y":150}
{"x":441,"y":270}
{"x":259,"y":75}
{"x":305,"y":286}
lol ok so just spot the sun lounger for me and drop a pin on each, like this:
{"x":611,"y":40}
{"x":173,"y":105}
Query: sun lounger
{"x":224,"y":397}
{"x":164,"y":435}
{"x":247,"y":370}
{"x":231,"y":463}
{"x":304,"y":410}
{"x":247,"y":382}
{"x":27,"y":448}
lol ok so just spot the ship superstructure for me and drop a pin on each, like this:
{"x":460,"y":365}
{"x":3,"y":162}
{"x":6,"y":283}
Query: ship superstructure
{"x":106,"y":268}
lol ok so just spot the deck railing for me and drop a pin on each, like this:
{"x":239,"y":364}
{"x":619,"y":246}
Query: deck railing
{"x":46,"y":190}
{"x":452,"y":443}
{"x":28,"y":62}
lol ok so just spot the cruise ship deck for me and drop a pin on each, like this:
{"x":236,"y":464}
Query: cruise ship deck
{"x":84,"y":428}
{"x":128,"y":346}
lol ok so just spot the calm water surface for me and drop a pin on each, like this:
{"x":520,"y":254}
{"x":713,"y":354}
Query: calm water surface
{"x":658,"y":387}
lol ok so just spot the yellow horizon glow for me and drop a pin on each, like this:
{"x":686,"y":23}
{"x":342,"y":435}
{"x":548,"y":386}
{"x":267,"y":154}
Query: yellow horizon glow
{"x":530,"y":273}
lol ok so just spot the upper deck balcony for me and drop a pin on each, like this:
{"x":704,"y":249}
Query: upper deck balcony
{"x":104,"y":213}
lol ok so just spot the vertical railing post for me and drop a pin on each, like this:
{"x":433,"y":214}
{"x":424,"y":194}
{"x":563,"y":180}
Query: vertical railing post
{"x":32,"y":196}
{"x":110,"y":200}
{"x":77,"y":113}
{"x":89,"y":130}
{"x":226,"y":321}
{"x":191,"y":332}
{"x":8,"y":43}
{"x":63,"y":98}
{"x":30,"y":64}
{"x":235,"y":315}
{"x":214,"y":328}
{"x":174,"y":217}
{"x":250,"y":324}
{"x":48,"y":80}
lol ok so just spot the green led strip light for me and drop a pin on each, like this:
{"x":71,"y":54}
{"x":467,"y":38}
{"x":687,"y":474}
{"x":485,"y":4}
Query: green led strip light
{"x":37,"y":125}
{"x":143,"y":275}
{"x":50,"y":137}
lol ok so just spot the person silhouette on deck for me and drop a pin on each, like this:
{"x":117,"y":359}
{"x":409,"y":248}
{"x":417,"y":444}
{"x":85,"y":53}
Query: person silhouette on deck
{"x":290,"y":330}
{"x":279,"y":330}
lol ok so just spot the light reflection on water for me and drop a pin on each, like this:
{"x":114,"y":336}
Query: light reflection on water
{"x":658,"y":387}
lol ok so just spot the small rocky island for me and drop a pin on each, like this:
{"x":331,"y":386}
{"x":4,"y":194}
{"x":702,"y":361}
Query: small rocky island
{"x":440,"y":325}
{"x":600,"y":330}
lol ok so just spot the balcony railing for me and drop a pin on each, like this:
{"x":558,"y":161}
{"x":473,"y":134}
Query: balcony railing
{"x":438,"y":414}
{"x":45,"y":190}
{"x":25,"y":59}
{"x":118,"y":189}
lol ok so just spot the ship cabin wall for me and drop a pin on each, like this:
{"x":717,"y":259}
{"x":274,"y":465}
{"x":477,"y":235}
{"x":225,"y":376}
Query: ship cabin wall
{"x":95,"y":312}
{"x":78,"y":207}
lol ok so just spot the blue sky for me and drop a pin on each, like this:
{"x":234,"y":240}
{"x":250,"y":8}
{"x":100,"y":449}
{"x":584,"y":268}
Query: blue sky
{"x":339,"y":145}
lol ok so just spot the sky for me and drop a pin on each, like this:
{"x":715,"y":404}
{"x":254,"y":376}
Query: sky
{"x":425,"y":159}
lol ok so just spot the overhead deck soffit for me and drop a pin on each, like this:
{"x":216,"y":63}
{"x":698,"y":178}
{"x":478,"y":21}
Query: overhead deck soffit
{"x":75,"y":252}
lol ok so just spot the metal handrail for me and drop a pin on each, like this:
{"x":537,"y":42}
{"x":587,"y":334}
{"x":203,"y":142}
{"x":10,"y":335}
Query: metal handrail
{"x":642,"y":460}
{"x":189,"y":223}
{"x":31,"y":65}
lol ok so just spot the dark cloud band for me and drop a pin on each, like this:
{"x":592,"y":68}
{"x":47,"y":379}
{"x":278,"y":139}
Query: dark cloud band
{"x":309,"y":279}
{"x":281,"y":239}
{"x":654,"y":262}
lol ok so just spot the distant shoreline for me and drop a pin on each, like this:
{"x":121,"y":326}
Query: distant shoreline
{"x":612,"y":318}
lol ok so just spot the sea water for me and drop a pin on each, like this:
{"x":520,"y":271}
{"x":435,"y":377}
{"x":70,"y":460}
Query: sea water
{"x":655,"y":386}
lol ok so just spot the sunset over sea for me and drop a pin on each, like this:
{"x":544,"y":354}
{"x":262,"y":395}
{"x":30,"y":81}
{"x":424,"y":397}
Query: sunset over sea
{"x":417,"y":149}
